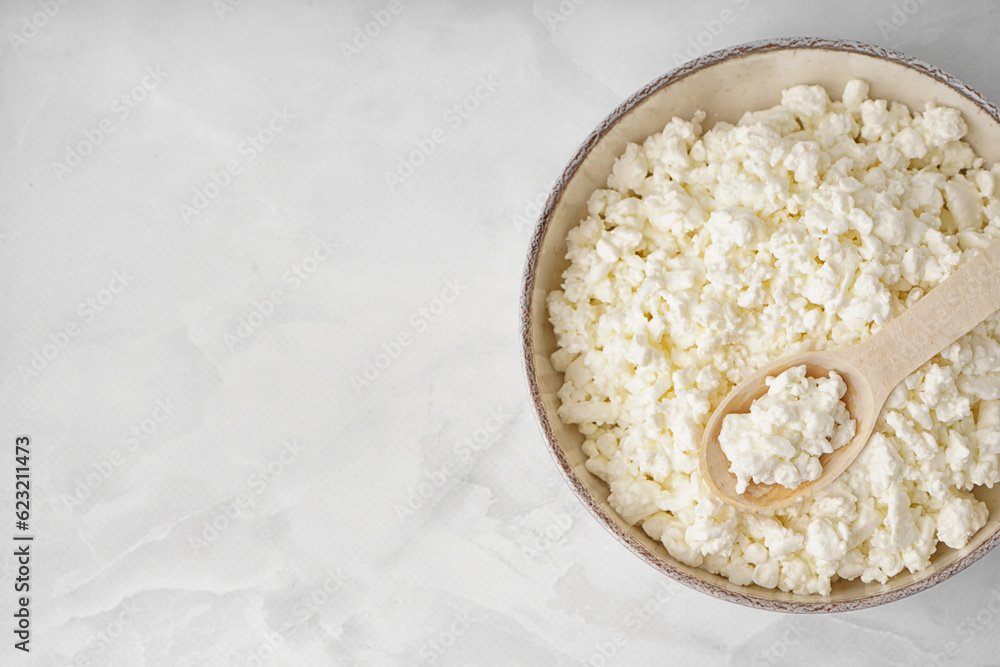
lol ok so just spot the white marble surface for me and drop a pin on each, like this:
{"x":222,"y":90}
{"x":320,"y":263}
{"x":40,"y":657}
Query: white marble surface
{"x":167,"y":405}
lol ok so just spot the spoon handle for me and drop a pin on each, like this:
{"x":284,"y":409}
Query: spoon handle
{"x":953,"y":308}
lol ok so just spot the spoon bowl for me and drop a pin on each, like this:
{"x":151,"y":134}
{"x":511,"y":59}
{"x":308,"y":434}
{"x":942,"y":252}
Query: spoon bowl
{"x":859,"y":398}
{"x":871,"y":369}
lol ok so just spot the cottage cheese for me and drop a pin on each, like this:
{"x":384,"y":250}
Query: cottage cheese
{"x":709,"y":254}
{"x":781,"y":439}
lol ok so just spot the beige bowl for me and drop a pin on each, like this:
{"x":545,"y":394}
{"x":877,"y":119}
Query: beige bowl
{"x":725,"y":84}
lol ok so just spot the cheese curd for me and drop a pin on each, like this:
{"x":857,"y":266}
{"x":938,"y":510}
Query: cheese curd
{"x":780,"y":440}
{"x":711,"y":253}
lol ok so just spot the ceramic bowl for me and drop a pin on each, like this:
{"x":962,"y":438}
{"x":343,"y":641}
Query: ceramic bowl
{"x":725,"y":84}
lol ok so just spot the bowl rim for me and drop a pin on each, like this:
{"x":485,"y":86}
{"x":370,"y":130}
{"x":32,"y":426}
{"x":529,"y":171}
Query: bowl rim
{"x":748,"y":599}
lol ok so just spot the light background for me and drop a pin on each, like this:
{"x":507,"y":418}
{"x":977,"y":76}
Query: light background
{"x":273,"y":501}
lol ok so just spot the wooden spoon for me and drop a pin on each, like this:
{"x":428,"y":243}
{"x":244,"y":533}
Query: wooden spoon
{"x":871,"y":369}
